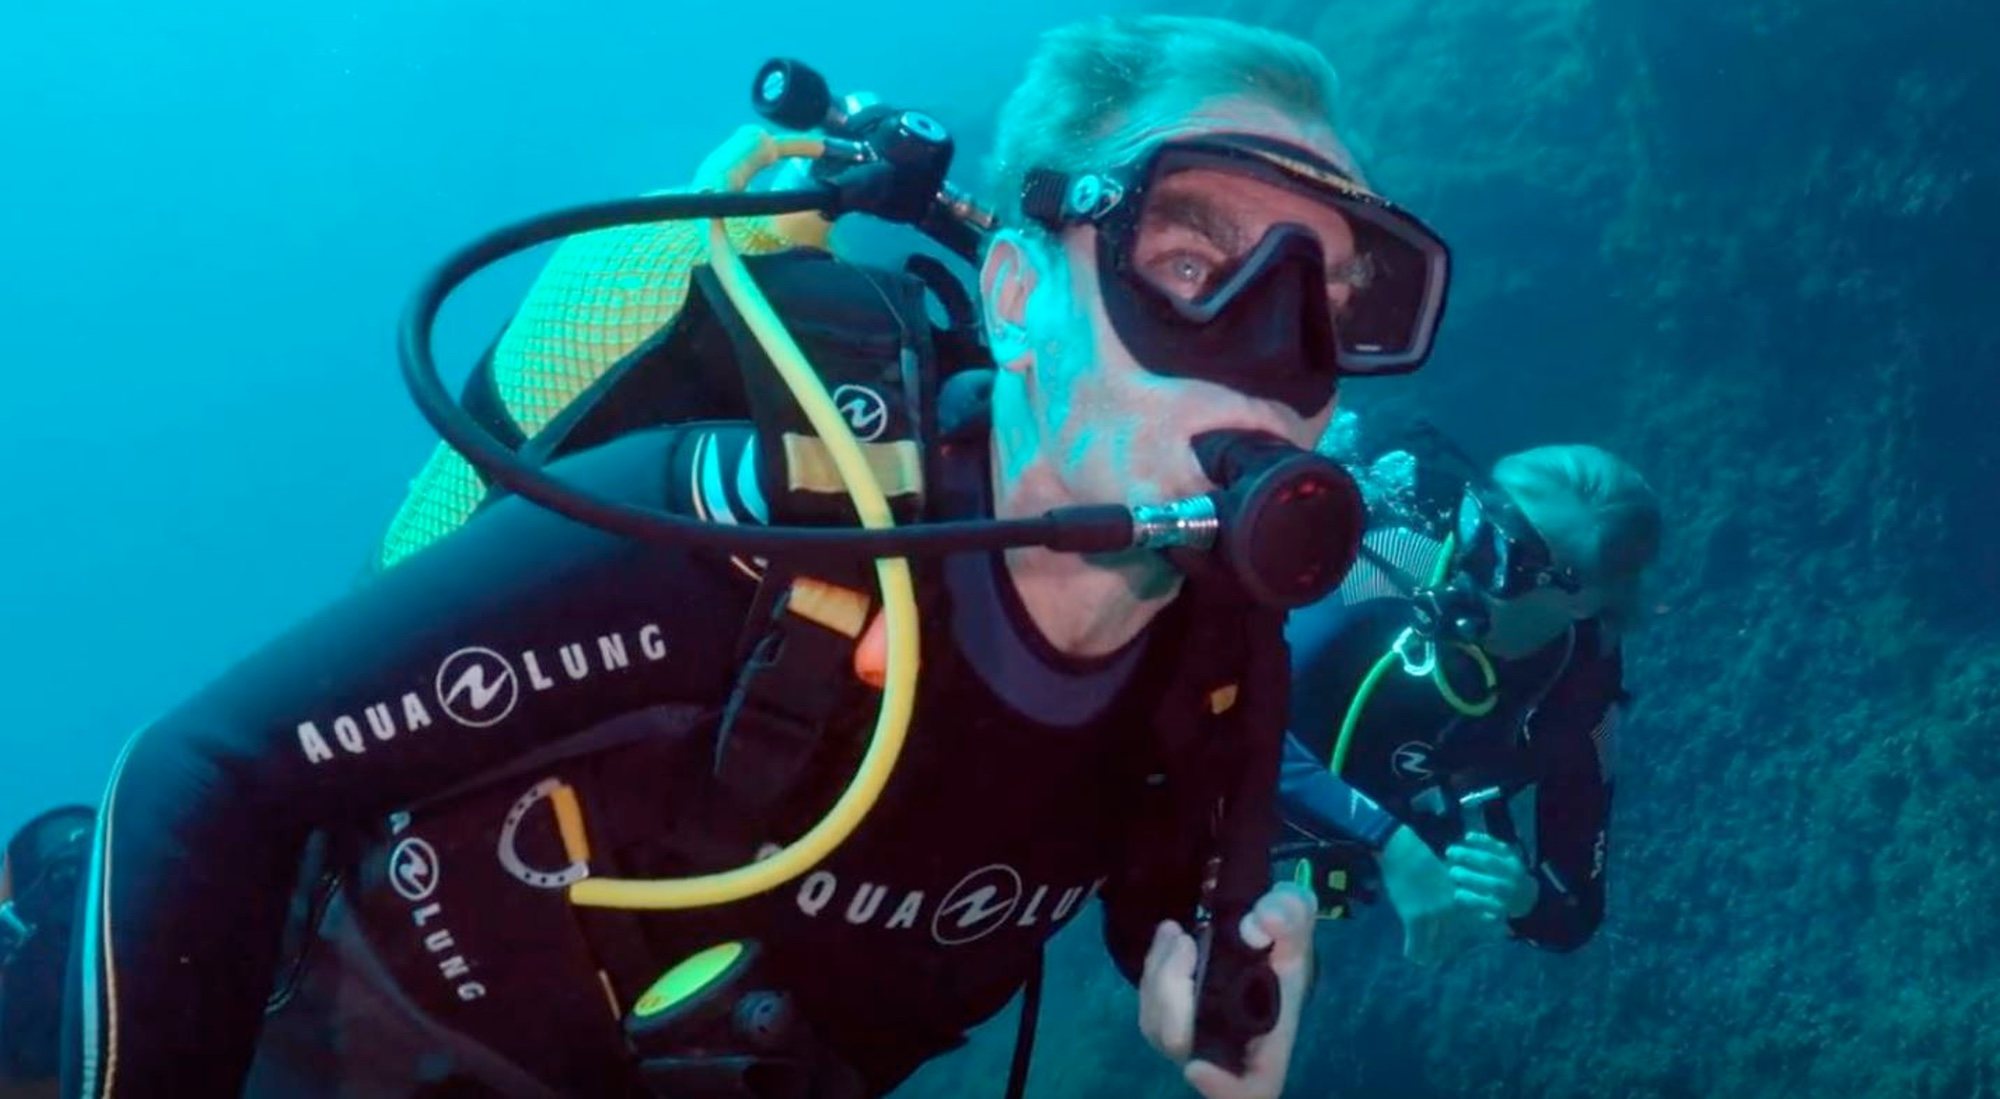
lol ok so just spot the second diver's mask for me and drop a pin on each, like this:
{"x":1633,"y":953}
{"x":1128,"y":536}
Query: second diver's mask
{"x":1271,"y":317}
{"x":1500,"y":552}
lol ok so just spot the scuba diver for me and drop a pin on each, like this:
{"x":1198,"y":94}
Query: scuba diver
{"x":1455,"y":699}
{"x":576,"y":795}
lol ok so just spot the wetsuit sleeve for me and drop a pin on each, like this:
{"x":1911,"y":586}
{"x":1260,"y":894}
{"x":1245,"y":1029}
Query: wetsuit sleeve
{"x":1314,"y":801}
{"x":511,"y":633}
{"x":1572,"y":826}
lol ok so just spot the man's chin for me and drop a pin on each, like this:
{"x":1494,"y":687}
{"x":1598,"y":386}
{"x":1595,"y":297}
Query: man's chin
{"x":1148,"y":573}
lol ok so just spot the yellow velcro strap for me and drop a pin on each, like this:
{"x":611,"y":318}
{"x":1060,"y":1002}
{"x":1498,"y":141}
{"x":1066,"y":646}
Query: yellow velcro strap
{"x":809,"y":467}
{"x":843,"y":610}
{"x":569,"y":821}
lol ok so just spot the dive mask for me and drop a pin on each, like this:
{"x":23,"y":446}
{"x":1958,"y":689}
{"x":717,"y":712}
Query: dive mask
{"x":1500,"y":552}
{"x":1192,"y":294}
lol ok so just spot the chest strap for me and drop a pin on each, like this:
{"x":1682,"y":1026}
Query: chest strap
{"x":798,"y":674}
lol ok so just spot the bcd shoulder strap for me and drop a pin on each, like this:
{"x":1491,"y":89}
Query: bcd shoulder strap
{"x":1185,"y":759}
{"x":864,"y":331}
{"x":867,"y":334}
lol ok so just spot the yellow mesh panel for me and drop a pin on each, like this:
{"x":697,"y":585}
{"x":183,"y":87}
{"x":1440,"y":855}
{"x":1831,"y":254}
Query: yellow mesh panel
{"x":600,"y":296}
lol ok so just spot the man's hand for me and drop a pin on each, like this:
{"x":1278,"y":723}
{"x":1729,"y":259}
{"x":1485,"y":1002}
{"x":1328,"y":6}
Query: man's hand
{"x":1283,"y":920}
{"x":1488,"y":875}
{"x":1437,"y":924}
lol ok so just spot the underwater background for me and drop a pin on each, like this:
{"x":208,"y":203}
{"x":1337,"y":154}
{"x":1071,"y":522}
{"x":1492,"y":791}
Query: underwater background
{"x":1748,"y":244}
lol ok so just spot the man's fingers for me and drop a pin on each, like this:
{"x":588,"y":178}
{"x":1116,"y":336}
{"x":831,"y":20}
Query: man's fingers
{"x":1177,"y":980}
{"x":1171,"y":960}
{"x":1483,"y":860}
{"x":1484,"y":905}
{"x":1485,"y":841}
{"x":1213,"y":1082}
{"x":1283,"y":920}
{"x":1162,"y":945}
{"x":1181,"y":961}
{"x":1470,"y":880}
{"x":1166,"y":992}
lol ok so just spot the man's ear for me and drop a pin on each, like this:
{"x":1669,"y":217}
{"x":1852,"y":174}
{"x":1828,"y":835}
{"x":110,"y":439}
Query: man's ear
{"x":1007,"y":278}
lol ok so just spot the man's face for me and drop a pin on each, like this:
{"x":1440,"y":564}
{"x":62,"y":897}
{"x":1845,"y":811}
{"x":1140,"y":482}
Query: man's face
{"x":1116,"y":431}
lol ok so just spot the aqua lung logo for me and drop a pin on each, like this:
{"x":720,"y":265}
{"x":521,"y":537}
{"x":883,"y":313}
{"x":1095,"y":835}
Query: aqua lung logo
{"x":413,"y":874}
{"x":1411,"y":759}
{"x":413,"y":870}
{"x":867,"y":415}
{"x":1092,"y":196}
{"x":478,"y":687}
{"x":977,"y":906}
{"x":981,"y":903}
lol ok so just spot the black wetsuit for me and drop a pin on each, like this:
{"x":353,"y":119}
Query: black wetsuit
{"x":1546,"y":744}
{"x":445,"y":950}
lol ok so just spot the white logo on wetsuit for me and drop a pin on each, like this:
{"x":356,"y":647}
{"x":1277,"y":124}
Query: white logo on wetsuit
{"x":982,"y":902}
{"x":413,"y":874}
{"x":976,"y":906}
{"x":471,"y":681}
{"x":479,"y":687}
{"x":1411,"y":759}
{"x":864,"y":410}
{"x":413,"y":869}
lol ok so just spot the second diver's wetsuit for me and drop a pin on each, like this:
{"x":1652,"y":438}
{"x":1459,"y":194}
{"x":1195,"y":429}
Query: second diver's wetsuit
{"x":1545,"y":744}
{"x":547,"y":653}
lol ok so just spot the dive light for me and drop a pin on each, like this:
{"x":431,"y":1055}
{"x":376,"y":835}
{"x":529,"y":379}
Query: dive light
{"x":1284,"y":523}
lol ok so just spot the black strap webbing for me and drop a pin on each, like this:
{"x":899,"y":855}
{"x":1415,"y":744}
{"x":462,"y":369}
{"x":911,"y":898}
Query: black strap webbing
{"x":796,"y":676}
{"x":1024,"y":1033}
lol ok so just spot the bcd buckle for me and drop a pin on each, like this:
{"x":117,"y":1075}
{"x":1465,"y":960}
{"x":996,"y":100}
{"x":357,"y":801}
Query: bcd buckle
{"x":796,"y":676}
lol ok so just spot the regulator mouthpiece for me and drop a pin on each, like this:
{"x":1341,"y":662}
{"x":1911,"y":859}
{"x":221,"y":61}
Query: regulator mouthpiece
{"x":1285,"y":524}
{"x":1453,"y":612}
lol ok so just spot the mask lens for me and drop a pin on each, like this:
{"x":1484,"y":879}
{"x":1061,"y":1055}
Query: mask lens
{"x":1481,"y":550}
{"x":1205,"y":229}
{"x":1206,"y":210}
{"x":1502,"y":553}
{"x":1384,"y":316}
